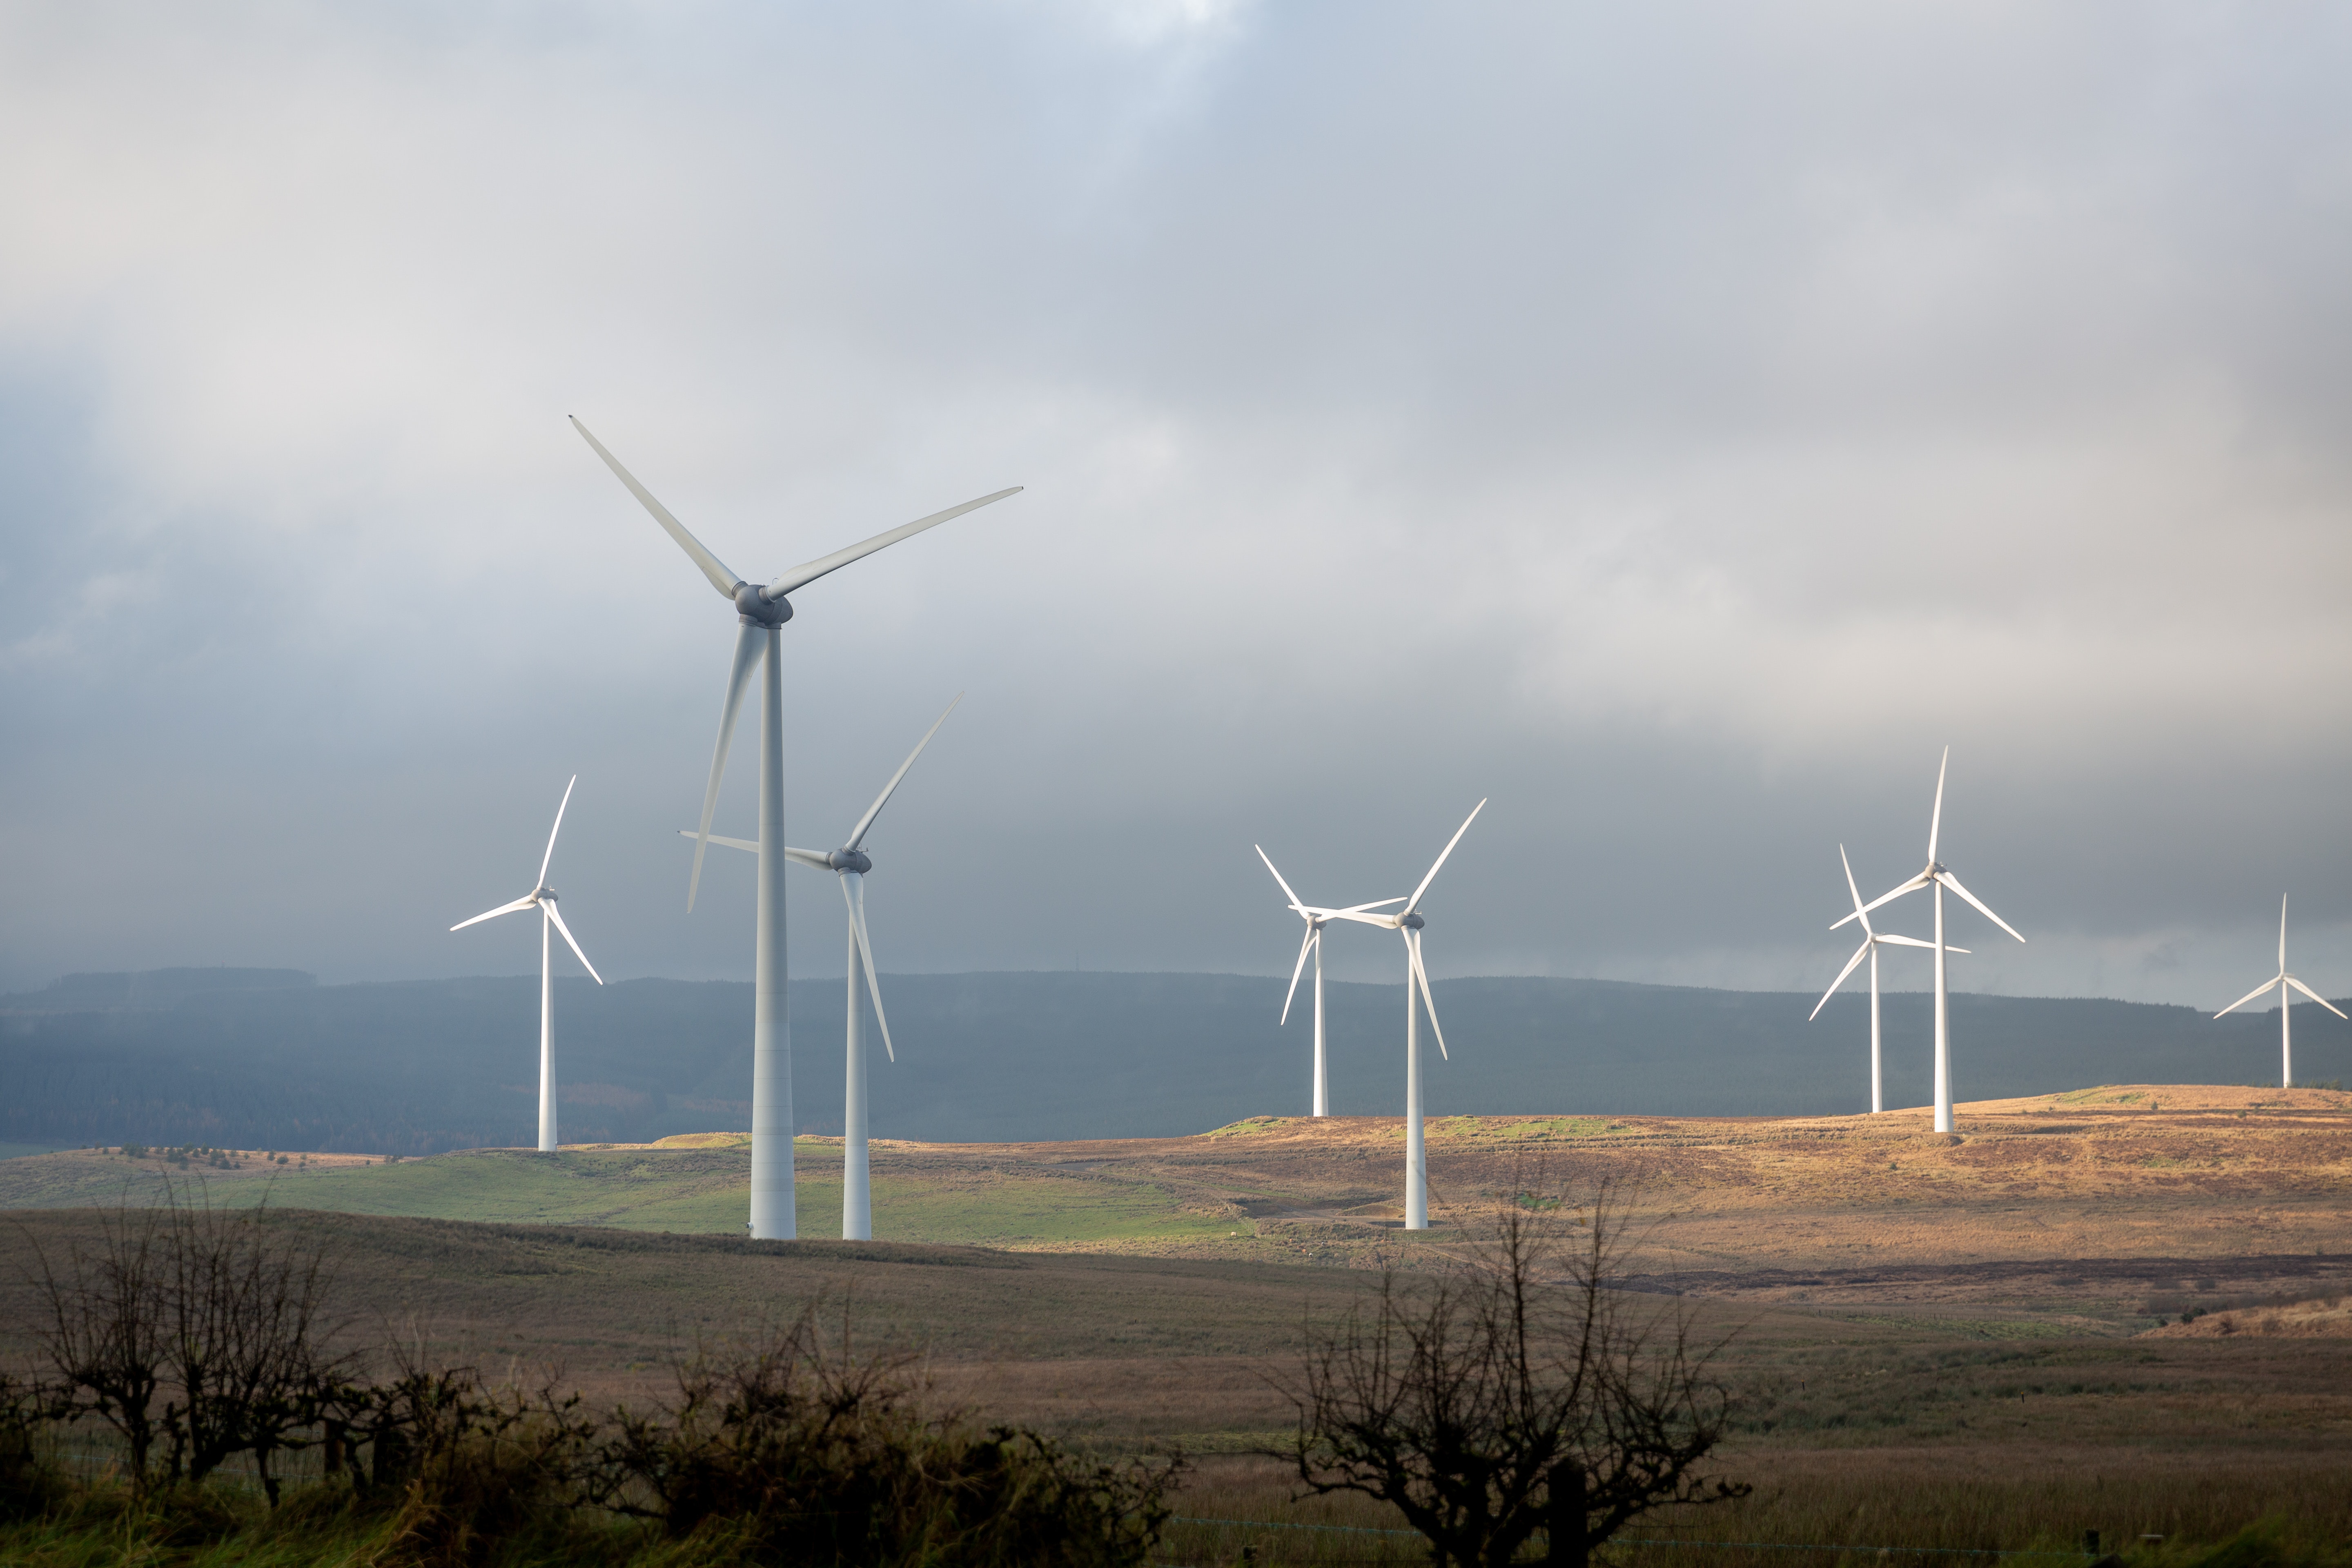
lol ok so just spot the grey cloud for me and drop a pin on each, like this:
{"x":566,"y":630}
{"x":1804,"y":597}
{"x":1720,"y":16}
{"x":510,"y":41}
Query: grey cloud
{"x":1677,"y":425}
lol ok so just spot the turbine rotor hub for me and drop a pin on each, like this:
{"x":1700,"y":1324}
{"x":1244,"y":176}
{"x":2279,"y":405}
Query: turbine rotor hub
{"x":850,"y":860}
{"x":544,"y":894}
{"x":757,"y":610}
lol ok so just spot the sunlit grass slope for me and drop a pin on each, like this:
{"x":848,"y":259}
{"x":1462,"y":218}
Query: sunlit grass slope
{"x":695,"y":1184}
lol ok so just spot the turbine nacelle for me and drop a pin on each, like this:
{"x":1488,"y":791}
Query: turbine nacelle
{"x":754,"y":609}
{"x":849,"y":861}
{"x":1411,"y":922}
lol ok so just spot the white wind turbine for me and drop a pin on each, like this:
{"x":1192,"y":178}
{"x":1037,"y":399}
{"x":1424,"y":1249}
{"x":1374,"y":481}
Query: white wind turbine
{"x":2282,"y":980}
{"x":542,"y":898}
{"x":1316,"y":919}
{"x":851,"y":863}
{"x":1871,"y":943}
{"x":1408,"y":923}
{"x":761,"y":613}
{"x":1937,"y":876}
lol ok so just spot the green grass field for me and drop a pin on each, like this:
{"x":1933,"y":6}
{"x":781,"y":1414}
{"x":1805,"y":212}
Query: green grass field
{"x":699,"y":1189}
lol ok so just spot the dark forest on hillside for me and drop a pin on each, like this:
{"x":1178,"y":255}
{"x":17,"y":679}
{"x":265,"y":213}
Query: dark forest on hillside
{"x":270,"y":1060}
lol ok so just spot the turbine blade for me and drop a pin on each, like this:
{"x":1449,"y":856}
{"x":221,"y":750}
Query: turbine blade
{"x":2316,"y":996}
{"x":553,"y":915}
{"x":858,"y":834}
{"x":1386,"y":922}
{"x":1851,"y":965}
{"x":1417,"y":971}
{"x":1954,"y":883}
{"x":1890,"y":937}
{"x":1936,"y":819}
{"x":712,"y":567}
{"x":2281,"y":933}
{"x":1413,"y":902}
{"x":1852,"y":889}
{"x":2249,"y":996}
{"x":1359,"y":908}
{"x":1278,"y":877}
{"x":1296,"y":971}
{"x":552,"y":831}
{"x":853,"y":892}
{"x":750,"y":642}
{"x":501,"y":910}
{"x":1913,"y":886}
{"x":810,"y":570}
{"x":748,"y":846}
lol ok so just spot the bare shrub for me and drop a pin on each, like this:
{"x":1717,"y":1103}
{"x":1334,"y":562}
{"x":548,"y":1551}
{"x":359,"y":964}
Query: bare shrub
{"x":479,"y":1471}
{"x":28,"y":1483}
{"x":1524,"y":1392}
{"x":103,"y":1331}
{"x":795,"y":1448}
{"x":247,"y":1307}
{"x":201,"y":1332}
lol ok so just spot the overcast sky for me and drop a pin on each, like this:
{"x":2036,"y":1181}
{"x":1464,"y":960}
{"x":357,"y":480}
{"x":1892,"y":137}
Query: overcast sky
{"x":1673,"y":422}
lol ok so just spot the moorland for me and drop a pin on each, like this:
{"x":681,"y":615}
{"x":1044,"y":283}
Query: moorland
{"x":2117,"y":1308}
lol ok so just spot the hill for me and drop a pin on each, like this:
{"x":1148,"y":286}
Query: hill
{"x":267,"y":1058}
{"x":1891,"y":1285}
{"x":2120,"y":1172}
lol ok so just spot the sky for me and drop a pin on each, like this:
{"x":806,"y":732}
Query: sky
{"x":1672,"y":424}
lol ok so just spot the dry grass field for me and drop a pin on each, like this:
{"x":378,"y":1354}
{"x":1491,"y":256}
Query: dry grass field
{"x":2118,"y":1171}
{"x":1970,"y":1323}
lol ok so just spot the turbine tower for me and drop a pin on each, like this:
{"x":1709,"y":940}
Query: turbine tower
{"x":851,"y":863}
{"x":761,"y":613}
{"x":1316,"y":919}
{"x":542,"y":898}
{"x":1937,"y":876}
{"x":1408,"y":923}
{"x":2284,"y":981}
{"x":1871,"y":942}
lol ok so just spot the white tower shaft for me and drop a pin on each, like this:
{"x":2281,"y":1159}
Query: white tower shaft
{"x":2286,"y":1029}
{"x":1416,"y":1161}
{"x":857,"y":1202}
{"x":1322,"y":1076}
{"x":1943,"y":1025}
{"x":772,"y":1214}
{"x":1877,"y":1094}
{"x":546,"y":1036}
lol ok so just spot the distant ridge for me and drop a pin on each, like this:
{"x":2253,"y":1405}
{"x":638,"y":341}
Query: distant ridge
{"x":267,"y":1058}
{"x":150,"y":988}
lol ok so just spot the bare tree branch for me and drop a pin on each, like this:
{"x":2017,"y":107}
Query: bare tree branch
{"x":1522,"y":1393}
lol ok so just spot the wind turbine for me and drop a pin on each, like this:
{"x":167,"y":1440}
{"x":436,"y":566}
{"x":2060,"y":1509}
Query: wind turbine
{"x":1871,"y":942}
{"x":2282,"y":980}
{"x":1316,"y":919}
{"x":851,"y":863}
{"x":542,"y":898}
{"x":761,"y":613}
{"x":1408,"y":923}
{"x":1937,"y":876}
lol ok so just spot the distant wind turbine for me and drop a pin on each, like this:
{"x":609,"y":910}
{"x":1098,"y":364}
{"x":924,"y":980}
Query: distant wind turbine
{"x":761,"y":613}
{"x":1871,"y":942}
{"x":1316,"y":919}
{"x":851,"y":863}
{"x":2282,"y":980}
{"x":1937,"y":876}
{"x":1408,"y":923}
{"x":542,"y":898}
